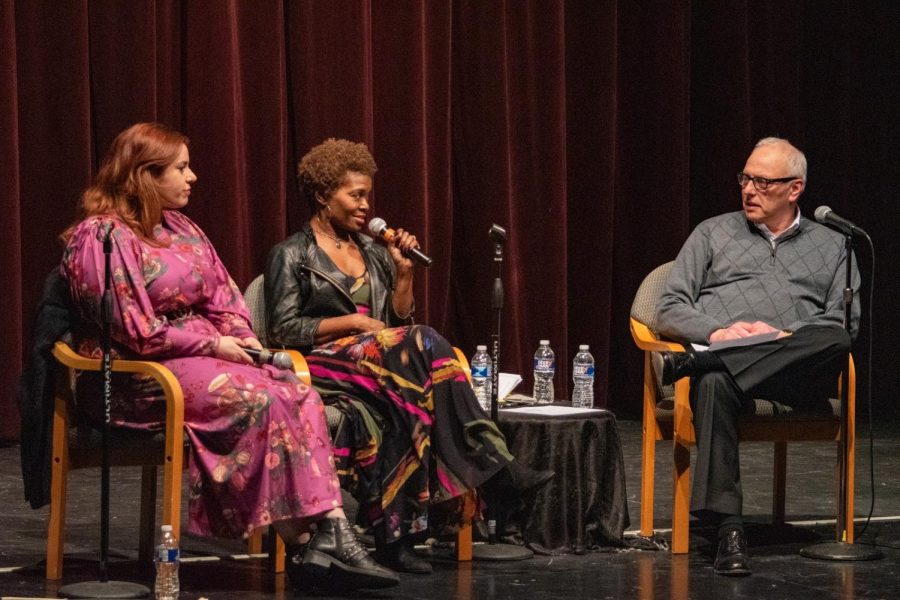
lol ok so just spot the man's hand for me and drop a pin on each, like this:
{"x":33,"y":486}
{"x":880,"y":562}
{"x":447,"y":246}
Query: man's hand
{"x":742,"y":329}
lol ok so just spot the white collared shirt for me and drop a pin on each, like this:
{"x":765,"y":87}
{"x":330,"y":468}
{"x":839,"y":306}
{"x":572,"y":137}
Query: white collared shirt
{"x":774,"y":238}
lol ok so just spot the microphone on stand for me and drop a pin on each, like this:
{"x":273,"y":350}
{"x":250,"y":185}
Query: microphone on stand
{"x":279,"y":360}
{"x":379,"y":228}
{"x":826,"y":216}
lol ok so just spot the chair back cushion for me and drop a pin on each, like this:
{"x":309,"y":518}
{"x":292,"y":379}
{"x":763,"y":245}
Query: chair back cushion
{"x":255,"y":297}
{"x":256,"y":303}
{"x":647,"y":297}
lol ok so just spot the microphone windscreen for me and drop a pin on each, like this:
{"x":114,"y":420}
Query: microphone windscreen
{"x":377,"y":226}
{"x":822,"y":212}
{"x":282,"y":360}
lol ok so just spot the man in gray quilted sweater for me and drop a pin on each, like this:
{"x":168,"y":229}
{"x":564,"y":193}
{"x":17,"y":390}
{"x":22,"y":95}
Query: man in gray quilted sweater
{"x":764,"y":271}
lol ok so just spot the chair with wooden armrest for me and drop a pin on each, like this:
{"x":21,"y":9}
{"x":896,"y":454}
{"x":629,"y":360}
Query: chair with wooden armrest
{"x":73,"y":450}
{"x":667,"y":416}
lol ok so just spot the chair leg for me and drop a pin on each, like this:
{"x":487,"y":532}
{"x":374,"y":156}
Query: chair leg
{"x":849,"y":460}
{"x":274,"y":548}
{"x":649,"y":435}
{"x":56,"y":524}
{"x":254,"y":542}
{"x":277,"y":553}
{"x":464,"y":535}
{"x":681,"y":498}
{"x":779,"y":478}
{"x":648,"y":473}
{"x":148,"y":514}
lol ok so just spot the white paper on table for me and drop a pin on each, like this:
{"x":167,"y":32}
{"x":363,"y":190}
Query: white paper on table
{"x":506,"y":383}
{"x":554,"y":411}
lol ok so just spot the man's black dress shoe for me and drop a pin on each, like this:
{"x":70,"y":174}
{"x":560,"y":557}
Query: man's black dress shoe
{"x":672,"y":366}
{"x":732,"y":558}
{"x":335,"y":559}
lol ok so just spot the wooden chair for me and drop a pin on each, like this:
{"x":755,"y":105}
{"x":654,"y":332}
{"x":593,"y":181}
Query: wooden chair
{"x":254,"y":296}
{"x":667,"y":416}
{"x":74,"y":448}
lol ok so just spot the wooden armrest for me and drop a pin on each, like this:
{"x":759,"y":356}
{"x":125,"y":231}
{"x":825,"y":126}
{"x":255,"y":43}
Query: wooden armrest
{"x":646,"y":340}
{"x":174,"y":444}
{"x":166,"y":379}
{"x":301,"y":368}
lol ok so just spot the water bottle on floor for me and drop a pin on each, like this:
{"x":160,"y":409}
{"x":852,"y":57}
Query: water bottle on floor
{"x":481,"y":377}
{"x":544,"y":369}
{"x":583,"y":378}
{"x":167,"y":587}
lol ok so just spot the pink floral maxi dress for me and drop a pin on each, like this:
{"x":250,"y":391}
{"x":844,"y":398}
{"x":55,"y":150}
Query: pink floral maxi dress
{"x":260,"y":448}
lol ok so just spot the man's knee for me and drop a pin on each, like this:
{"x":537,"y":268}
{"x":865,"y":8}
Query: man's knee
{"x":715,"y":391}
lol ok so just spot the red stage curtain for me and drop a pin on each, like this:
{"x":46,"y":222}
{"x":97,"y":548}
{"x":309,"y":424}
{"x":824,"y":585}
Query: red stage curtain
{"x":598,"y":133}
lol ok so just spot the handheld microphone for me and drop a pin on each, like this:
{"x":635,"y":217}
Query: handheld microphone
{"x":826,"y":216}
{"x":279,"y":360}
{"x":380,"y":229}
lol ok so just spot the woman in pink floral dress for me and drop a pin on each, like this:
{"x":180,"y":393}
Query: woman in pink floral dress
{"x":260,"y":449}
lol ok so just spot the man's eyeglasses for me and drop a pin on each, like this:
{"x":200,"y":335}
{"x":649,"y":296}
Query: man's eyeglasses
{"x":761,"y":183}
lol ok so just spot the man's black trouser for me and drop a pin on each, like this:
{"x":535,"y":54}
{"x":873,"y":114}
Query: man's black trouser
{"x":797,"y":370}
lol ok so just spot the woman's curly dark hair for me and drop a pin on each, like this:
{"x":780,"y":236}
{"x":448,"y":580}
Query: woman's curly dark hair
{"x":322,"y":169}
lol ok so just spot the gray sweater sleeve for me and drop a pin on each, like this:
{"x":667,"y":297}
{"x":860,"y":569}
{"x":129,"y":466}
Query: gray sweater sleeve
{"x":677,"y":315}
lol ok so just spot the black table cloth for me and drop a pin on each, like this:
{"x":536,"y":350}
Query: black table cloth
{"x":584,"y":506}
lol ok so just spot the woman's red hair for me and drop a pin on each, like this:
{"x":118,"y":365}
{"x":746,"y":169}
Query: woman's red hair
{"x":125,"y":185}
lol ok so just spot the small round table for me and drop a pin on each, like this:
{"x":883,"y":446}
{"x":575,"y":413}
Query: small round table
{"x":584,"y":505}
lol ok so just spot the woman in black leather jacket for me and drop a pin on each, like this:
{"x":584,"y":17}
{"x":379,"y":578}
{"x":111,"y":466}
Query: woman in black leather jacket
{"x":414,"y":434}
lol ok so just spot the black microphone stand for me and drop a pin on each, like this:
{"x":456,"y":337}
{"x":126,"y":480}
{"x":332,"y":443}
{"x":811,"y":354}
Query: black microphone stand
{"x":841,"y":549}
{"x":104,"y":588}
{"x":493,"y":550}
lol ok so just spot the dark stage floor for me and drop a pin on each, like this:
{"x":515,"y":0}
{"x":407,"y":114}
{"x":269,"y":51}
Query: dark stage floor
{"x":779,"y":570}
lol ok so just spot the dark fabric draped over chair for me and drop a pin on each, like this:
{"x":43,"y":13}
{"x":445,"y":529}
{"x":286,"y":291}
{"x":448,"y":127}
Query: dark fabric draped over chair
{"x":586,"y":129}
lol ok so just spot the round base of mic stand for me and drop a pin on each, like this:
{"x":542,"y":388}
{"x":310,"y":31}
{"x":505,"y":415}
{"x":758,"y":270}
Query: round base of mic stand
{"x":104,"y":589}
{"x":500,"y":552}
{"x":841,"y":551}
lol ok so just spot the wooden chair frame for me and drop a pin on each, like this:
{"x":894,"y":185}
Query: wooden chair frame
{"x":779,"y":430}
{"x":66,"y":458}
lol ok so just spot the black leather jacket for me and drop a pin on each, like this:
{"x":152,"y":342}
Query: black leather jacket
{"x":302,"y":288}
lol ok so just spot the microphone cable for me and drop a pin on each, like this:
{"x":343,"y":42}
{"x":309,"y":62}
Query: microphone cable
{"x":869,"y":389}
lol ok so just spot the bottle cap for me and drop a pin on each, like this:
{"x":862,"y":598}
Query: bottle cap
{"x":545,"y":342}
{"x":481,"y":348}
{"x":166,"y":528}
{"x":583,"y":347}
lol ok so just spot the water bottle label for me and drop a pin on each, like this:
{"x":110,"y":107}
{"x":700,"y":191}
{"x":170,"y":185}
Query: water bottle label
{"x":545,"y":365}
{"x":484,"y":371}
{"x":583,"y":371}
{"x":167,"y":554}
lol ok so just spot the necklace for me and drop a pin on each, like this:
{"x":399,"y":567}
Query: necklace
{"x":338,"y":242}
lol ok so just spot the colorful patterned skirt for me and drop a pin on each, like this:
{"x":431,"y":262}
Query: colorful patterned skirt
{"x":413,"y":434}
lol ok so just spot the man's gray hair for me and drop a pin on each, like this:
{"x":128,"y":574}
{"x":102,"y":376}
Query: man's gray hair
{"x":796,"y":159}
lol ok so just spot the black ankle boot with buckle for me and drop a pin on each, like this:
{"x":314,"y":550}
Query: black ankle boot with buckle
{"x":335,"y":559}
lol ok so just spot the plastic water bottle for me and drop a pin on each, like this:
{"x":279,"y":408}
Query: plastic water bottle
{"x":481,"y":377}
{"x":544,"y":369}
{"x":583,"y":378}
{"x":167,"y":587}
